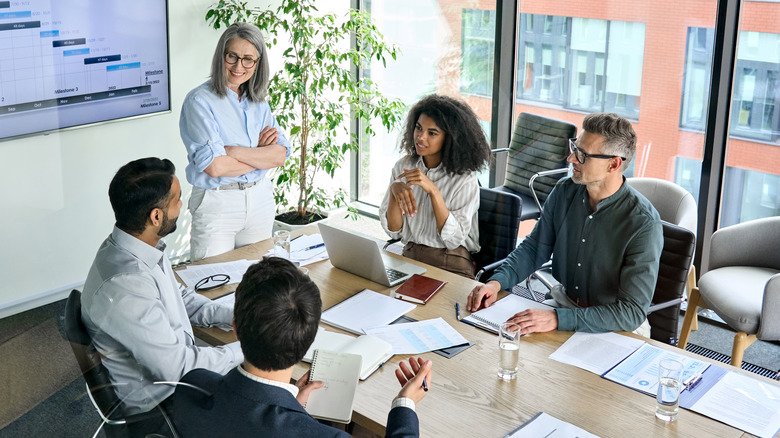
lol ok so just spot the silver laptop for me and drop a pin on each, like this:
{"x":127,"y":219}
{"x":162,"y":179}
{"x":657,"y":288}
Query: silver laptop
{"x":362,"y":256}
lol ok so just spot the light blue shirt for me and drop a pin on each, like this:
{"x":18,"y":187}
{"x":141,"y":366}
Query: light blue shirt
{"x":140,"y":321}
{"x":208,"y":123}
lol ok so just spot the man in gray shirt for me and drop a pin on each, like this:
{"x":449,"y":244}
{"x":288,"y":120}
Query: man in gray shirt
{"x":133,"y":308}
{"x":607,"y":240}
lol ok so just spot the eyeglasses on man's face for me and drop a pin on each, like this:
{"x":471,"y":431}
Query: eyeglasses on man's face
{"x":232,"y":58}
{"x":581,"y":156}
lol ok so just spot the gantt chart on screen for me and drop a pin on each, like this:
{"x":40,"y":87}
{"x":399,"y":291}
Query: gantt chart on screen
{"x":67,"y":63}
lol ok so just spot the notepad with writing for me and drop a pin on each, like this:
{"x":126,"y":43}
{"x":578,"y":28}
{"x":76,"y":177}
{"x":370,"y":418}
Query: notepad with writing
{"x":373,"y":350}
{"x":492,"y":317}
{"x":339,"y":372}
{"x":419,"y":289}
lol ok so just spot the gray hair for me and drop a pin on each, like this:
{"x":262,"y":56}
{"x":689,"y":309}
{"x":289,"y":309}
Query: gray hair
{"x":256,"y":88}
{"x":619,"y":135}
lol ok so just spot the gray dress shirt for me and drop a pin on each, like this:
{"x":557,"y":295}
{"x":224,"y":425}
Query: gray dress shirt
{"x":607,"y":259}
{"x":139,"y":320}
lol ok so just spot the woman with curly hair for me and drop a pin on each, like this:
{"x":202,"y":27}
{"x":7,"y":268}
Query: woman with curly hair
{"x":433,"y":197}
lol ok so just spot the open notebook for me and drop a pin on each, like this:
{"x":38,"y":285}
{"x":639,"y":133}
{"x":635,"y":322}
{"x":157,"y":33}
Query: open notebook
{"x":339,"y":372}
{"x":374,"y":351}
{"x":492,"y":317}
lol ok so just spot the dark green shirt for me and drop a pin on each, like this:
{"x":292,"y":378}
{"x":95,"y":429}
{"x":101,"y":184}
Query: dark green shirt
{"x":607,"y":260}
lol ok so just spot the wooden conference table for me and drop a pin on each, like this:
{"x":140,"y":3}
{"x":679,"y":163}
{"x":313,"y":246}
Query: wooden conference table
{"x":466,"y":398}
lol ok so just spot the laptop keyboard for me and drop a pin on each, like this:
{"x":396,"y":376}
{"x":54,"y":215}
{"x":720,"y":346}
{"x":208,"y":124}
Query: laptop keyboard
{"x":394,"y":275}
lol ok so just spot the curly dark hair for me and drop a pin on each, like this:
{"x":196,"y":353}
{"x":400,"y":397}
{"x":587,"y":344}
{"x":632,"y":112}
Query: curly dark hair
{"x":465,"y":147}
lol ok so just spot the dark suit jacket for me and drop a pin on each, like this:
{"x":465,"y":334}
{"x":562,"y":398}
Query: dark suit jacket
{"x":241,"y":407}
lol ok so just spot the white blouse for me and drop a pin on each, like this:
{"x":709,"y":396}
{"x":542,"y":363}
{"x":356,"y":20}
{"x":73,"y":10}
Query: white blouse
{"x":461,"y":196}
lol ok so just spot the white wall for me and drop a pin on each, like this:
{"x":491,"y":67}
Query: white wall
{"x":54,"y":208}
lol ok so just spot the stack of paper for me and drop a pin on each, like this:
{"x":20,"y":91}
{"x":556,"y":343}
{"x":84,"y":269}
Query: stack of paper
{"x":192,"y":274}
{"x":418,"y":337}
{"x":364,"y":310}
{"x":306,"y":250}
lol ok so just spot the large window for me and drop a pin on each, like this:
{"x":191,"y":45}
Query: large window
{"x":751,"y":180}
{"x":584,"y":64}
{"x":476,"y":70}
{"x":447,"y":48}
{"x":646,"y":63}
{"x":756,"y":87}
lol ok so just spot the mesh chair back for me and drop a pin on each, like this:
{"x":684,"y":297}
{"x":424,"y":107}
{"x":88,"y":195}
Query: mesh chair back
{"x":95,"y":374}
{"x":672,"y":274}
{"x":499,"y":219}
{"x":538,"y":144}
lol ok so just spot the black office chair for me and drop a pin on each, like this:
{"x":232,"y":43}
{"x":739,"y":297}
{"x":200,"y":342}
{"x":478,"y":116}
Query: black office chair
{"x":499,"y":220}
{"x":664,"y":312}
{"x":98,"y":383}
{"x":536,"y":160}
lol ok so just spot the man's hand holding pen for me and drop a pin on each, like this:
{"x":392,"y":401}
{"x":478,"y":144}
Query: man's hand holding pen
{"x":415,"y":378}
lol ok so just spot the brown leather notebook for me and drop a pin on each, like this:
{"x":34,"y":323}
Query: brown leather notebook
{"x":419,"y":289}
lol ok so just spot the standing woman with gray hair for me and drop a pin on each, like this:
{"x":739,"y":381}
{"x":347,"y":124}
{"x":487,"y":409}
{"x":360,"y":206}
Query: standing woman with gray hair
{"x":232,"y":140}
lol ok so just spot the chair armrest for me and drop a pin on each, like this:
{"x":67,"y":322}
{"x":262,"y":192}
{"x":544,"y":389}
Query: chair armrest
{"x":547,"y":266}
{"x":664,"y":305}
{"x":489,"y":267}
{"x":769,"y":329}
{"x":390,"y":242}
{"x":543,"y":173}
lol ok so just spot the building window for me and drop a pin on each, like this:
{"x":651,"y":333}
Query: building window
{"x":696,"y":78}
{"x":478,"y":48}
{"x":595,"y":67}
{"x":544,"y":53}
{"x":756,"y":91}
{"x":747,"y":194}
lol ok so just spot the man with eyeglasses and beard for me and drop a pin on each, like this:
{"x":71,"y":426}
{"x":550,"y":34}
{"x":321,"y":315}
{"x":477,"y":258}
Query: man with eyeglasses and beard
{"x":605,"y":236}
{"x":138,"y":317}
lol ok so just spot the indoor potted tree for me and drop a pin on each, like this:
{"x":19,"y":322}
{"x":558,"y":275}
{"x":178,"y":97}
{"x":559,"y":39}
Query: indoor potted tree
{"x":316,"y":93}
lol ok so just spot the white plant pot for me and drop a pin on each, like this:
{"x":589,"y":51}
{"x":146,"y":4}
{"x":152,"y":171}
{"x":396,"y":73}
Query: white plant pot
{"x":279,"y":225}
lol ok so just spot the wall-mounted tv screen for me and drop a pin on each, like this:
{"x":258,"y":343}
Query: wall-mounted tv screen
{"x":68,"y":63}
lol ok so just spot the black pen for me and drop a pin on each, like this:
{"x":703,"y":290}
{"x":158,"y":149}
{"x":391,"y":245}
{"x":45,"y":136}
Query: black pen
{"x":425,"y":385}
{"x":457,"y":311}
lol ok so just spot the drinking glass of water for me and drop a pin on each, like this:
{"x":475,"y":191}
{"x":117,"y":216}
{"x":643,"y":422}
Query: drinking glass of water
{"x":508,"y":350}
{"x":282,"y":244}
{"x":669,"y":386}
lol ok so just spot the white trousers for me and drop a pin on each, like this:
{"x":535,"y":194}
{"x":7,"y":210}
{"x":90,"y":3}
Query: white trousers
{"x":223,"y":220}
{"x":561,"y":299}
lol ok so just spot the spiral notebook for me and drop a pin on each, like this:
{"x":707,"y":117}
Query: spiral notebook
{"x":374,"y":351}
{"x":492,"y":317}
{"x":339,"y":372}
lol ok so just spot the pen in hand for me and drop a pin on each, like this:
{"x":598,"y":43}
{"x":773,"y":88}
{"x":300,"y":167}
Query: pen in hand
{"x":425,"y":384}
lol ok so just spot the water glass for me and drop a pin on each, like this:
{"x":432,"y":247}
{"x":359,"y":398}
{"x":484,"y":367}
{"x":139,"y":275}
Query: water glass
{"x":282,"y":244}
{"x":669,"y":386}
{"x":508,"y":350}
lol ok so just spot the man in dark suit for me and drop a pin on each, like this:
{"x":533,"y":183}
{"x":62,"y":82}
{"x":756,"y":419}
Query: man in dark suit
{"x":277,"y":312}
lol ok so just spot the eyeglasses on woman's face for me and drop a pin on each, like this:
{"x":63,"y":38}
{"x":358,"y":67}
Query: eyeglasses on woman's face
{"x":232,"y":58}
